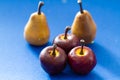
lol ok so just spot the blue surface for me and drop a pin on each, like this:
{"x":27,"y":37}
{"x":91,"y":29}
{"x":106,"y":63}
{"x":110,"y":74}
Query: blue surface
{"x":20,"y":61}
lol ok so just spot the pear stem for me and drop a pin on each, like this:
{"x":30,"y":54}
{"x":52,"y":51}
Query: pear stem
{"x":82,"y":45}
{"x":66,"y":31}
{"x":54,"y":48}
{"x":41,"y":3}
{"x":80,"y":3}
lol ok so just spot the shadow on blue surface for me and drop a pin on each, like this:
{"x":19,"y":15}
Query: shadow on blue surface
{"x":37,"y":49}
{"x":106,"y":59}
{"x":68,"y":74}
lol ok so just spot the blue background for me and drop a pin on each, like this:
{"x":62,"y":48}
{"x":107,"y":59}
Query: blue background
{"x":20,"y":61}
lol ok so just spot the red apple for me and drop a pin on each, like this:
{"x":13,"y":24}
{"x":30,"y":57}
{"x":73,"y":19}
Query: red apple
{"x":66,"y":41}
{"x":53,"y":59}
{"x":82,"y":59}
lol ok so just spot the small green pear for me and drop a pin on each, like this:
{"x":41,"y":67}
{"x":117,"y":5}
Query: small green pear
{"x":83,"y":25}
{"x":36,"y":31}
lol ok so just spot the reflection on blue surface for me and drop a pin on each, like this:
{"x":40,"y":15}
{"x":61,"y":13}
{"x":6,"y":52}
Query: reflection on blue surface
{"x":20,"y":61}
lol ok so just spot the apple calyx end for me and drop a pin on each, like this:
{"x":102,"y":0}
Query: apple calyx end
{"x":41,"y":3}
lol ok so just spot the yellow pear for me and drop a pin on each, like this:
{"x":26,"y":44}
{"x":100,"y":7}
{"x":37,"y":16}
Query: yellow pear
{"x":36,"y":31}
{"x":83,"y":25}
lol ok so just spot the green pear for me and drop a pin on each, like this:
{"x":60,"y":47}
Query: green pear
{"x":36,"y":31}
{"x":83,"y":25}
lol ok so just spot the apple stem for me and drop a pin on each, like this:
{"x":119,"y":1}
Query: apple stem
{"x":41,"y":3}
{"x":80,"y":3}
{"x":82,"y":45}
{"x":66,"y":31}
{"x":54,"y":47}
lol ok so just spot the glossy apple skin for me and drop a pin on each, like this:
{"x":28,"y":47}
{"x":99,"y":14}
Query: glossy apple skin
{"x":67,"y":44}
{"x":82,"y":64}
{"x":53,"y":64}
